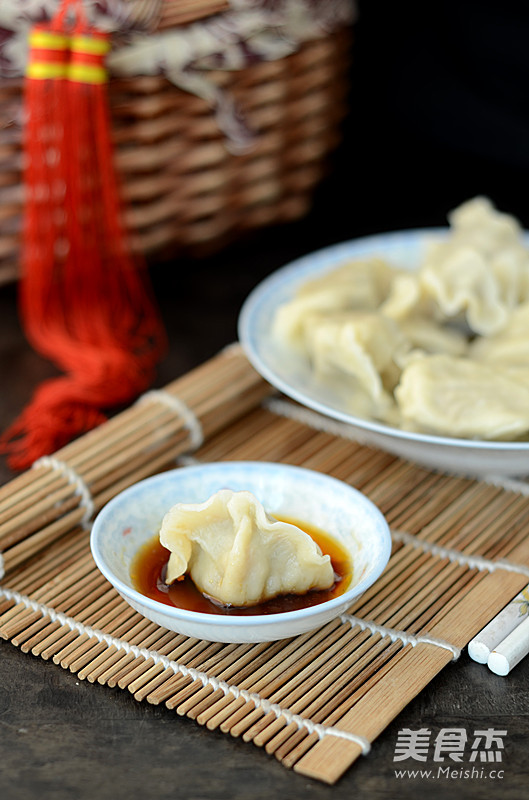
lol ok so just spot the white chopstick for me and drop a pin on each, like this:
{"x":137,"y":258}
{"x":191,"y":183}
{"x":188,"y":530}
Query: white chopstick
{"x":505,"y":640}
{"x":508,"y":653}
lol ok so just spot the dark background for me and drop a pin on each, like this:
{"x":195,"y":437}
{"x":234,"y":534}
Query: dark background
{"x":439,"y":114}
{"x":439,"y":111}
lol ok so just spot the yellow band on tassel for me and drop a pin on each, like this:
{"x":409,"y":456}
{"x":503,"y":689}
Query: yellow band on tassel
{"x":87,"y":73}
{"x":90,"y":45}
{"x":48,"y":40}
{"x":46,"y":70}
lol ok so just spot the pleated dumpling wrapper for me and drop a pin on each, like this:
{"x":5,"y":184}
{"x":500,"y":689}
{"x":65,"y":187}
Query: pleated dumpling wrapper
{"x":239,"y":555}
{"x":461,"y":397}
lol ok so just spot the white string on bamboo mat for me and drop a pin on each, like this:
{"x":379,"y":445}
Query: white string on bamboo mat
{"x":458,"y":557}
{"x":302,"y":723}
{"x":81,"y":488}
{"x":187,"y":460}
{"x":283,"y":408}
{"x":183,"y":412}
{"x":509,"y":484}
{"x":233,"y":349}
{"x":403,"y":636}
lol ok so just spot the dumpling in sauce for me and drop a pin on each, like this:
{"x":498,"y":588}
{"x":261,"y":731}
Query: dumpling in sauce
{"x":239,"y":555}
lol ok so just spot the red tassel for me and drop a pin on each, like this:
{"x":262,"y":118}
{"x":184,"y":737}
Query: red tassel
{"x":84,"y":300}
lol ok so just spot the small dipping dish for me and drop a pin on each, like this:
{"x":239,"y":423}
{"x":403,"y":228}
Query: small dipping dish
{"x":134,"y":516}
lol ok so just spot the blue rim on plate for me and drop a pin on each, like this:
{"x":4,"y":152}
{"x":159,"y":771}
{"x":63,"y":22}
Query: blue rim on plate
{"x":291,"y":374}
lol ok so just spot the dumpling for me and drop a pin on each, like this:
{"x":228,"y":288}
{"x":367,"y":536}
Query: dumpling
{"x":239,"y":555}
{"x":481,"y":271}
{"x":358,"y":349}
{"x":510,"y":346}
{"x":462,"y":397}
{"x":427,"y":335}
{"x":404,"y":297}
{"x":463,"y":285}
{"x":361,"y":285}
{"x":443,"y":348}
{"x":479,"y":224}
{"x":367,"y":281}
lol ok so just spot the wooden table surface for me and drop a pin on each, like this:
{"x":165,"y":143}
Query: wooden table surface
{"x":62,"y":738}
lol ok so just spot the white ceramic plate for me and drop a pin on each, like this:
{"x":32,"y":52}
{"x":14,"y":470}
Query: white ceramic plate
{"x":293,"y":376}
{"x":135,"y":516}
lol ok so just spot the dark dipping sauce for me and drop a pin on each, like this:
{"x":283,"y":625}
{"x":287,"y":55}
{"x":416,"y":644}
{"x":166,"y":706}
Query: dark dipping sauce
{"x":148,"y":571}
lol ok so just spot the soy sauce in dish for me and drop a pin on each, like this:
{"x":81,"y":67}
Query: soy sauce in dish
{"x":148,"y":571}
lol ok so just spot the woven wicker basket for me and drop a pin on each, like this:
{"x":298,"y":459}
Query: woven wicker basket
{"x":184,"y":191}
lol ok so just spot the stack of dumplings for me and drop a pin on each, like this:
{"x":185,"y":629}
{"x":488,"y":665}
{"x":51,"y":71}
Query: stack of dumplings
{"x":441,"y":350}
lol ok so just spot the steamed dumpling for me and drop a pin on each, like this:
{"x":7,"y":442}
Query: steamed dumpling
{"x":479,"y":224}
{"x":481,"y":271}
{"x":366,"y":281}
{"x":357,"y":348}
{"x":510,"y":346}
{"x":441,"y":349}
{"x":462,"y":284}
{"x":431,"y":337}
{"x":239,"y":555}
{"x":404,"y":298}
{"x":461,"y":397}
{"x":357,"y":285}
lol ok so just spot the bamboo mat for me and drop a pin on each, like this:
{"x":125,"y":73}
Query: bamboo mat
{"x":460,"y":553}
